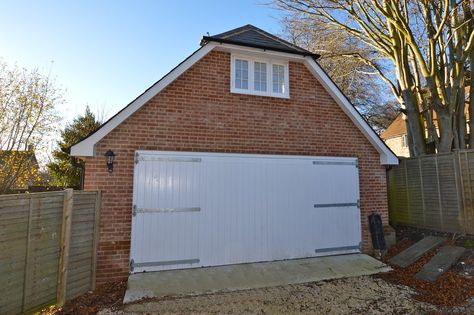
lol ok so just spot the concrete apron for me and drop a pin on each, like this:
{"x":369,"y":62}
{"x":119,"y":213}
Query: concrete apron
{"x":197,"y":281}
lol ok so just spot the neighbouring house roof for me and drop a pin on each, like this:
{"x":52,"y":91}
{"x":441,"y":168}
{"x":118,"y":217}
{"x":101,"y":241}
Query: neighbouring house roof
{"x":252,"y":40}
{"x":396,"y":128}
{"x":251,"y":36}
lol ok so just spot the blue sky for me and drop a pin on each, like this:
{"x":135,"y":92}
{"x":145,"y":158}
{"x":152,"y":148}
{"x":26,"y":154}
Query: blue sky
{"x":105,"y":53}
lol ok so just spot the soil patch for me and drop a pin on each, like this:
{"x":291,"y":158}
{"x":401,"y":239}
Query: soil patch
{"x":109,"y":295}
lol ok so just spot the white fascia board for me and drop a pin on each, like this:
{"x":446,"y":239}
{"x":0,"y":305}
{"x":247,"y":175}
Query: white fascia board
{"x":87,"y":146}
{"x":387,"y":157}
{"x":258,"y":52}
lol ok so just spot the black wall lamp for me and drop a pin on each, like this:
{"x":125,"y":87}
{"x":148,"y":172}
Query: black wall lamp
{"x":110,"y":157}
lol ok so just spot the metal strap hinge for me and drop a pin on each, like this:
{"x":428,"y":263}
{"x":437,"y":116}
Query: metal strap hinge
{"x":134,"y":211}
{"x":358,"y":203}
{"x":355,"y":163}
{"x":136,"y":158}
{"x":132,"y":265}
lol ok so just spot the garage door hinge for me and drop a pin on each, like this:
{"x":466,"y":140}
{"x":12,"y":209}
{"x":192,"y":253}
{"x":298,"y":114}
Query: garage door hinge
{"x":132,"y":263}
{"x":134,"y":211}
{"x":357,"y":163}
{"x":136,"y":158}
{"x":358,"y":203}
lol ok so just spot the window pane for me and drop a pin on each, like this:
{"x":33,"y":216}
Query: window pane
{"x":260,"y":77}
{"x":241,"y":74}
{"x":278,"y":78}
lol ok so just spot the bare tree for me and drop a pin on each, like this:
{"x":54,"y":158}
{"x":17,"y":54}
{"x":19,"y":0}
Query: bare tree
{"x":27,"y":117}
{"x":341,"y":56}
{"x":427,"y":42}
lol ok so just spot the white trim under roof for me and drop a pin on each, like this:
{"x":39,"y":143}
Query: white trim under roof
{"x":86,"y":147}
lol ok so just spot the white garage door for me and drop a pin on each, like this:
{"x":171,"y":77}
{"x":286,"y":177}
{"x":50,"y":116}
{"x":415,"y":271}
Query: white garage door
{"x":209,"y":209}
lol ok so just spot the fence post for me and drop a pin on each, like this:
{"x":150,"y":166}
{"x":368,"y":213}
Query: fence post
{"x":460,"y":189}
{"x":64,"y":247}
{"x":96,"y":238}
{"x":469,"y":210}
{"x":441,"y":222}
{"x":422,"y":189}
{"x":26,"y":275}
{"x":408,"y":208}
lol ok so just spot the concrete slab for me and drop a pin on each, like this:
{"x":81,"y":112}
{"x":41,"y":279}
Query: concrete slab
{"x":440,"y":263}
{"x":249,"y":276}
{"x":414,"y":252}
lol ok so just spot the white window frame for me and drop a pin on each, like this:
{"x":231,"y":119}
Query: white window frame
{"x":251,"y":90}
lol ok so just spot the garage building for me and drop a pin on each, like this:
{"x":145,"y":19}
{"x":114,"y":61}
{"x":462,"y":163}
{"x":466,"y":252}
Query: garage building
{"x":245,"y":152}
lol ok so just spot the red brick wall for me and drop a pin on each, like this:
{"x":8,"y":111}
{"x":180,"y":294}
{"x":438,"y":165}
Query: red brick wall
{"x":198,"y":113}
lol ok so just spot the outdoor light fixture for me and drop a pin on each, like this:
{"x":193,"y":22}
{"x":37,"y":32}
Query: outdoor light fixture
{"x":110,"y":156}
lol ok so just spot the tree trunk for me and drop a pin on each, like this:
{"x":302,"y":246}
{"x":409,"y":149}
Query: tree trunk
{"x":445,"y":123}
{"x":471,"y":102}
{"x":461,"y":118}
{"x":415,"y":130}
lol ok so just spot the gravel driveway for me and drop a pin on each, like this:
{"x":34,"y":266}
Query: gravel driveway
{"x":358,"y":295}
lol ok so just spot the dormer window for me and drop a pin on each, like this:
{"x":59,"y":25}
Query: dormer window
{"x":265,"y":77}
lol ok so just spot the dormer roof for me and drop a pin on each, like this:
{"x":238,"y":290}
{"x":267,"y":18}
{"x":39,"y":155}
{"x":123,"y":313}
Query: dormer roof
{"x":252,"y":36}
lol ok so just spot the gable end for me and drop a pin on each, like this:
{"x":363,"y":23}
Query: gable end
{"x":86,"y":147}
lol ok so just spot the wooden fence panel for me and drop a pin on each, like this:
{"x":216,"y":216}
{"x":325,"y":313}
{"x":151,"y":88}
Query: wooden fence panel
{"x":415,"y":192}
{"x":82,"y":244}
{"x":43,"y":250}
{"x":432,"y":201}
{"x":30,"y":242}
{"x":14,"y":215}
{"x":467,"y":162}
{"x":398,"y":197}
{"x":449,"y":193}
{"x":438,"y":192}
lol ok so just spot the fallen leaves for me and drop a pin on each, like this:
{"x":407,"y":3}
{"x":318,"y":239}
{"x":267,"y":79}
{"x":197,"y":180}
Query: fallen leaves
{"x":451,"y":289}
{"x":108,"y":295}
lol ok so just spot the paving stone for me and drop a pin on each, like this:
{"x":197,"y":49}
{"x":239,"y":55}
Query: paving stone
{"x":414,"y":252}
{"x":440,"y":263}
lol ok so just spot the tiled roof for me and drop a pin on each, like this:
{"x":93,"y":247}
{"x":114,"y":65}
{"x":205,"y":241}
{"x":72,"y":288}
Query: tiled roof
{"x":397,"y":127}
{"x":252,"y":36}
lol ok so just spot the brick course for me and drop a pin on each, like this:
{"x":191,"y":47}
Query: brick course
{"x":197,"y":112}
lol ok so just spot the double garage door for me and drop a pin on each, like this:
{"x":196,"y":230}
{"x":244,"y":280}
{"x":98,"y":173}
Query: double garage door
{"x":210,"y":209}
